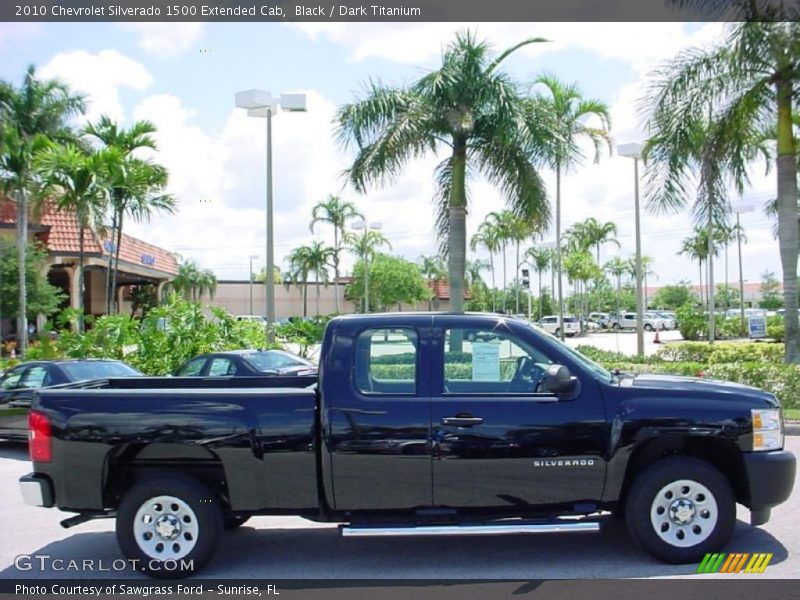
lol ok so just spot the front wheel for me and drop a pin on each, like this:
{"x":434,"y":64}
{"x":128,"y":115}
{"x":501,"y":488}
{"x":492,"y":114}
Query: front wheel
{"x":679,"y":509}
{"x":557,"y":333}
{"x":169,"y":526}
{"x":648,"y":327}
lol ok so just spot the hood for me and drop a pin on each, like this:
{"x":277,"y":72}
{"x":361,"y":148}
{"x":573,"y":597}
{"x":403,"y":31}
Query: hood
{"x":724,"y":390}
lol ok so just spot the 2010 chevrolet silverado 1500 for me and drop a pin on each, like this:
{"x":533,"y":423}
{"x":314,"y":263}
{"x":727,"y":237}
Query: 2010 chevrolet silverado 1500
{"x":420,"y":424}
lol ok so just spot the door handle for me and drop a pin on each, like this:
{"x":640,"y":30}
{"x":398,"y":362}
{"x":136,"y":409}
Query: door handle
{"x":462,"y":421}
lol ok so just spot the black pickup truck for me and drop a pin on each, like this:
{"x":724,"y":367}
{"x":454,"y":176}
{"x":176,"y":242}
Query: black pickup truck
{"x":418,"y":424}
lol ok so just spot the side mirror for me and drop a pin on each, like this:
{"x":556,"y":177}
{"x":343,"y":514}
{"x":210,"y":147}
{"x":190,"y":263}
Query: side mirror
{"x":559,"y":380}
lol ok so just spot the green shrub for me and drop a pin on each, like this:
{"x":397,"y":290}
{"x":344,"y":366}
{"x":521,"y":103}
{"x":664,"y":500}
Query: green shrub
{"x":721,"y":352}
{"x":691,"y":324}
{"x":776,"y":332}
{"x":603,"y":356}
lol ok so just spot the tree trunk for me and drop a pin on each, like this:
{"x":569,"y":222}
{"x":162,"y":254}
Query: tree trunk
{"x":110,"y":267}
{"x":505,"y":279}
{"x":516,"y":278}
{"x":120,"y":219}
{"x":80,"y":277}
{"x":457,"y":234}
{"x":558,"y":252}
{"x":336,"y":267}
{"x":710,"y":282}
{"x":305,"y":297}
{"x":22,"y":240}
{"x":787,"y":217}
{"x":494,"y":286}
{"x":317,"y":299}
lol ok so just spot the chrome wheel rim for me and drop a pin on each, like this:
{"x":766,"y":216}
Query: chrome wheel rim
{"x":684,"y":513}
{"x":165,"y":528}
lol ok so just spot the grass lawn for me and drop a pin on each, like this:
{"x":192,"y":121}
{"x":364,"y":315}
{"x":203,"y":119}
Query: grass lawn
{"x":792,"y":414}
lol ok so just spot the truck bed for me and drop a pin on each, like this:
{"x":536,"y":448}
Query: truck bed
{"x":261,"y":439}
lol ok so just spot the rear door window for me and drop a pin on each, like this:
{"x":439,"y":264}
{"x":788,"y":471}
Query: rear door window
{"x":221,"y":367}
{"x":386,"y":361}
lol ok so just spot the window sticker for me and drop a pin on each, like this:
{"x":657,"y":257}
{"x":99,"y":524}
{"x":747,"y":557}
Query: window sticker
{"x":485,"y":361}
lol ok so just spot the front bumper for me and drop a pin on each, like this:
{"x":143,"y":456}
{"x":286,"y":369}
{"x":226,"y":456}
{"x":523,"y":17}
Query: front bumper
{"x":37,"y":490}
{"x":770,"y":478}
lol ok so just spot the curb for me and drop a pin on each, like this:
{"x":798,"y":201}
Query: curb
{"x":792,"y":428}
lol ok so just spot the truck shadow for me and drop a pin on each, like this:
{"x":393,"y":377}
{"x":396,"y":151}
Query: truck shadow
{"x":14,"y":450}
{"x":320,"y":553}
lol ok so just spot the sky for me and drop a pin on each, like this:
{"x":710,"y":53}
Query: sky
{"x":183,"y":77}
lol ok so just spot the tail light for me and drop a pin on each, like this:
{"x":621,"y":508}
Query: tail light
{"x":40,"y":440}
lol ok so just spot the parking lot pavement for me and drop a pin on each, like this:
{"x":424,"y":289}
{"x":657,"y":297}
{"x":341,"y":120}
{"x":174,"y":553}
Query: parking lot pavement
{"x":625,"y":341}
{"x":292,"y":548}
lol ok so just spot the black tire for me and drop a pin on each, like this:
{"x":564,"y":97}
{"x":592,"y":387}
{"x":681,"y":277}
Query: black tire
{"x":641,"y":508}
{"x":234,"y":521}
{"x":557,"y":332}
{"x":195,"y":508}
{"x":648,"y":327}
{"x":615,"y":327}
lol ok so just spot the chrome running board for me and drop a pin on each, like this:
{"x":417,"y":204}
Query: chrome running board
{"x":488,"y":529}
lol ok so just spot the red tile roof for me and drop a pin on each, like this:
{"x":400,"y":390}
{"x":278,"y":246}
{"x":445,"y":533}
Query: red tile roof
{"x":441,"y":290}
{"x":62,"y":237}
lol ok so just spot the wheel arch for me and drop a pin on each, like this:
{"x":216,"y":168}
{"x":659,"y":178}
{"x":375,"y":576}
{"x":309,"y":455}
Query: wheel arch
{"x":719,"y":452}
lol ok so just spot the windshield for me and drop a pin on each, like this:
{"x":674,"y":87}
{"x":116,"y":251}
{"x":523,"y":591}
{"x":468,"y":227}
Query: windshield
{"x":579,"y":358}
{"x":266,"y":361}
{"x":98,"y":370}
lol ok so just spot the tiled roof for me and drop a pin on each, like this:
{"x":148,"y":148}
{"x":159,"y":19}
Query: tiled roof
{"x":62,"y":237}
{"x":441,"y":290}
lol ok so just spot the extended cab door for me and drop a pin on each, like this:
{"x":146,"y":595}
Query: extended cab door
{"x":377,"y":418}
{"x":501,"y":440}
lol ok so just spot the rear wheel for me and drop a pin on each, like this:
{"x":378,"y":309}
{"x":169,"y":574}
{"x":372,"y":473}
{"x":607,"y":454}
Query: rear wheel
{"x":557,"y":332}
{"x":679,"y":509}
{"x":648,"y":327}
{"x":169,"y":525}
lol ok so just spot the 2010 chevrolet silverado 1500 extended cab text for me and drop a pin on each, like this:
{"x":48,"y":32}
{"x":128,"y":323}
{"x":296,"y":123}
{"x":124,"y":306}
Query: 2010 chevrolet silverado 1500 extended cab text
{"x":420,"y":424}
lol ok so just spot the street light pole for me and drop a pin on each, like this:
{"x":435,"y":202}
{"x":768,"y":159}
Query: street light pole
{"x":634,"y":151}
{"x":259,"y":103}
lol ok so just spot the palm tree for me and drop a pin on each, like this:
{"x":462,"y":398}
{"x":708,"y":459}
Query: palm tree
{"x":540,"y":259}
{"x":336,"y":212}
{"x":695,"y":247}
{"x":467,"y":107}
{"x":746,"y":84}
{"x":600,"y":233}
{"x":580,"y":268}
{"x":192,"y":283}
{"x":570,"y":111}
{"x":31,"y":114}
{"x":488,"y":237}
{"x":617,"y":267}
{"x":363,"y":246}
{"x":80,"y":180}
{"x":136,"y":188}
{"x":647,"y":262}
{"x":433,"y":270}
{"x":472,"y":274}
{"x":315,"y":258}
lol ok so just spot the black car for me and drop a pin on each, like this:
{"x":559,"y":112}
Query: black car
{"x":247,"y":363}
{"x":18,"y":384}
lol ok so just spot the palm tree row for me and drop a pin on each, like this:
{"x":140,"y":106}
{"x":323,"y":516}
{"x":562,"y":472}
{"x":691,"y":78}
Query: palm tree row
{"x":192,"y":282}
{"x":712,"y":112}
{"x":42,"y":157}
{"x":472,"y":111}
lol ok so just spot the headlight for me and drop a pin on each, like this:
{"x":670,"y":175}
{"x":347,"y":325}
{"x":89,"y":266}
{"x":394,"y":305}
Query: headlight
{"x":767,"y":429}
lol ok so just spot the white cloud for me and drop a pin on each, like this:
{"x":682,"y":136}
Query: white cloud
{"x":165,"y":39}
{"x":100,"y":76}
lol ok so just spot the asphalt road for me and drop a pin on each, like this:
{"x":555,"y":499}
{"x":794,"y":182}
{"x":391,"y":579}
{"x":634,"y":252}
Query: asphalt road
{"x":292,"y":548}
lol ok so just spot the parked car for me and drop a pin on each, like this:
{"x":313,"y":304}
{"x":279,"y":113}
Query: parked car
{"x":601,"y":318}
{"x":670,"y":318}
{"x":246,"y":363}
{"x":253,"y":319}
{"x":550,"y":324}
{"x":18,"y":384}
{"x":422,"y":424}
{"x":650,"y":321}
